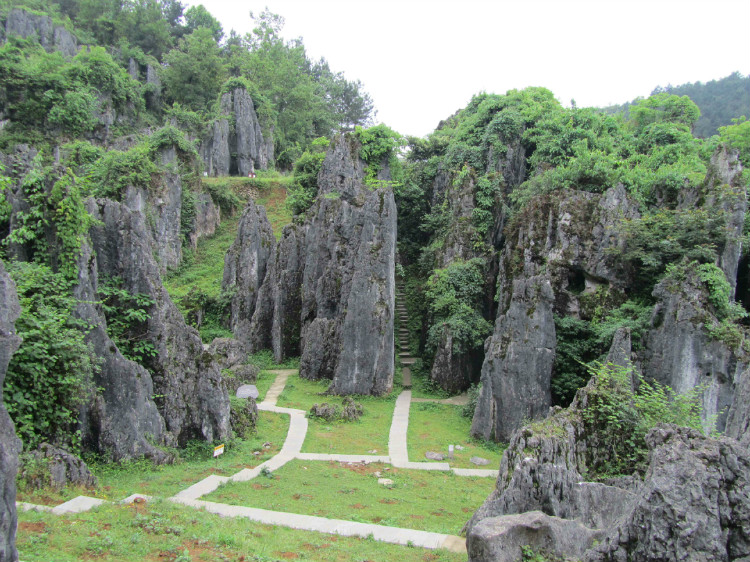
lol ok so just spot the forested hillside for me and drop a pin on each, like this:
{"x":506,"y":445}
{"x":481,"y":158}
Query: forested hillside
{"x":112,"y":113}
{"x":720,"y":101}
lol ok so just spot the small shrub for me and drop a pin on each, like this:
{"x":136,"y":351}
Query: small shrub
{"x":619,"y":417}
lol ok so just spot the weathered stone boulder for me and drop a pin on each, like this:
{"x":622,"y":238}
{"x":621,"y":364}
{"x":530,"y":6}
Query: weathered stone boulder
{"x":501,"y":539}
{"x":240,"y":149}
{"x":694,"y":504}
{"x":738,"y":417}
{"x":191,"y":396}
{"x":50,"y":36}
{"x":245,"y":266}
{"x":10,"y":445}
{"x":207,"y":219}
{"x":61,"y":469}
{"x":542,"y":470}
{"x":560,"y":251}
{"x":518,"y":361}
{"x":329,"y":288}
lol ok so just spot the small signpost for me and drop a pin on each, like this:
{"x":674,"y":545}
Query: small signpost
{"x":219,"y":450}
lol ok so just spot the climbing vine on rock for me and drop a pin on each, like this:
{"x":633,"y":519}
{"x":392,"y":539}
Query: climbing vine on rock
{"x":50,"y":375}
{"x":127,"y":315}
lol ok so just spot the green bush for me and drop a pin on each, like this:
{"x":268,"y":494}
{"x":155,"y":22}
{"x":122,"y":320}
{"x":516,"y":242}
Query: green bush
{"x":50,"y":376}
{"x":454,"y":296}
{"x":620,"y":417}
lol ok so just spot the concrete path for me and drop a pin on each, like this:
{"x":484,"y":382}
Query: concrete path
{"x":395,"y":535}
{"x":398,"y":456}
{"x":277,"y":386}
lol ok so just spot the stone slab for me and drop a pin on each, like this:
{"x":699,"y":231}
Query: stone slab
{"x":78,"y":504}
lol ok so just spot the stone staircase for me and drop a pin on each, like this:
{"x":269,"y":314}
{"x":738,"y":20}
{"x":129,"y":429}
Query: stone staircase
{"x":402,"y":337}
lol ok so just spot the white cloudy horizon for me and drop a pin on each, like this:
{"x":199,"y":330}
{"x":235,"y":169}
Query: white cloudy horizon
{"x":421,"y":60}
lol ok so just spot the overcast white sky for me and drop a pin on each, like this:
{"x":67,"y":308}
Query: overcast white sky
{"x":421,"y":60}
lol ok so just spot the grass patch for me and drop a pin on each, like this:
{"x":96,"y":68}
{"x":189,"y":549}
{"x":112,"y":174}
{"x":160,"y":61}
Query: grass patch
{"x":370,"y":433}
{"x":264,"y":361}
{"x":303,"y":393}
{"x":118,"y":481}
{"x":204,"y":268}
{"x":427,"y":500}
{"x":162,"y":531}
{"x":432,"y":427}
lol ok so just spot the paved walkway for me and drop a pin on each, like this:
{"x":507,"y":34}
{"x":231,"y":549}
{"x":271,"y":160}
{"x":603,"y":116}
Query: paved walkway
{"x":397,"y":456}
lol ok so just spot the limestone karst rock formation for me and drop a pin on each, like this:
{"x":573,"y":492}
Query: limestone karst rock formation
{"x":192,"y":399}
{"x":329,"y":288}
{"x":10,"y":445}
{"x":543,"y":473}
{"x":236,"y":144}
{"x":52,"y":37}
{"x":556,"y":256}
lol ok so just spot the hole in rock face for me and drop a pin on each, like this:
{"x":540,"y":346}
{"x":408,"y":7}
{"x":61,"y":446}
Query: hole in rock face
{"x":576,"y":281}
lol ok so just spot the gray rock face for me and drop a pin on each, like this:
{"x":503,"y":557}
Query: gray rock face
{"x":682,"y":315}
{"x":500,"y":539}
{"x":725,"y":169}
{"x":738,"y":417}
{"x":276,"y":323}
{"x":542,"y":470}
{"x":559,"y":253}
{"x":193,"y":400}
{"x":694,"y":505}
{"x":518,"y":361}
{"x":451,"y":371}
{"x":245,"y":267}
{"x":331,"y":281}
{"x":207,"y":219}
{"x":239,"y":151}
{"x":162,"y":206}
{"x":123,"y":420}
{"x":10,"y":445}
{"x":51,"y":37}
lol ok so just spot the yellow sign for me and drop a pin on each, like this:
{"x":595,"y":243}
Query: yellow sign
{"x":219,"y":450}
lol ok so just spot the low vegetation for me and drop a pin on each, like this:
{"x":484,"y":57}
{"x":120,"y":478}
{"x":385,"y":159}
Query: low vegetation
{"x":167,"y":532}
{"x":418,"y":499}
{"x":433,"y":427}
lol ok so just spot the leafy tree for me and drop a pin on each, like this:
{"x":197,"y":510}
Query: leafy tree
{"x":664,"y":107}
{"x":194,"y":72}
{"x":737,"y":136}
{"x":302,"y":194}
{"x":198,"y":16}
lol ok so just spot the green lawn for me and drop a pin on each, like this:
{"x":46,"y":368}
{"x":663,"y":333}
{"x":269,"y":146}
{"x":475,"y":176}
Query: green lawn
{"x":432,"y":427}
{"x":358,"y":437}
{"x":427,"y":500}
{"x":165,"y":532}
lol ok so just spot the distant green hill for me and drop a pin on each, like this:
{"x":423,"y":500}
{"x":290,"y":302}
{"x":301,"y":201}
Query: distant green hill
{"x":720,"y":101}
